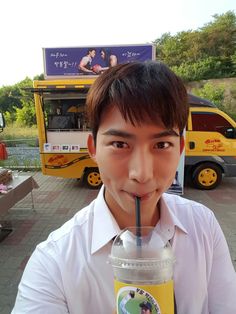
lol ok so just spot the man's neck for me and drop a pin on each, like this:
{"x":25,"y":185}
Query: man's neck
{"x":125,"y":219}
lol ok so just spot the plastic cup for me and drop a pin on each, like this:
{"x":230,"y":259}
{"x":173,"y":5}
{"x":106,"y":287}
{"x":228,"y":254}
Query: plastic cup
{"x":142,"y":262}
{"x":15,"y":174}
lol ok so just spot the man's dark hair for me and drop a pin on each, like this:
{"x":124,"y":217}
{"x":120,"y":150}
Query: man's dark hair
{"x":142,"y":92}
{"x":107,"y":54}
{"x":90,"y":50}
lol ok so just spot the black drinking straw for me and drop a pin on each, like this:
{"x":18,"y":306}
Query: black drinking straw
{"x":138,"y":220}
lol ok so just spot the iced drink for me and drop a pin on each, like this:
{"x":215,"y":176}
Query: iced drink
{"x":142,"y":261}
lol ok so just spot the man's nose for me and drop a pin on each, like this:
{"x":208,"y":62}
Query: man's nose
{"x":141,"y":166}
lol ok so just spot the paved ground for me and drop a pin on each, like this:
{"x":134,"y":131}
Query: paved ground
{"x":57,"y":200}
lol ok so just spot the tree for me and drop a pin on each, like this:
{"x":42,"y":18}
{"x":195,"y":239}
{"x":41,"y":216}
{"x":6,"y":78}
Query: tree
{"x":208,"y":52}
{"x":11,"y":97}
{"x":220,"y":35}
{"x":26,"y":115}
{"x":213,"y":93}
{"x":39,"y":77}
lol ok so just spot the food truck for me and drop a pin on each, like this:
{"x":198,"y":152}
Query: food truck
{"x":63,"y":129}
{"x":60,"y":105}
{"x":210,"y":149}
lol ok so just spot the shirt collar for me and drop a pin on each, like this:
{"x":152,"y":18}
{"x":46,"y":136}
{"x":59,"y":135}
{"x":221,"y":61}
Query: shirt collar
{"x":106,"y":228}
{"x":168,"y":220}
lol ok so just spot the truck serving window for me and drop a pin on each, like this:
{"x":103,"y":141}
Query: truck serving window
{"x":209,"y":122}
{"x":64,"y":113}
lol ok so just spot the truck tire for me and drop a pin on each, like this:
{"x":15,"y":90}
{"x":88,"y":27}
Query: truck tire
{"x":207,"y":176}
{"x":92,"y":178}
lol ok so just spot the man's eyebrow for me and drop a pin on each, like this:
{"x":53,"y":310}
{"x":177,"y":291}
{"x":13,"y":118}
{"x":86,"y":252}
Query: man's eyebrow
{"x":118,"y":133}
{"x":169,"y":132}
{"x":124,"y":134}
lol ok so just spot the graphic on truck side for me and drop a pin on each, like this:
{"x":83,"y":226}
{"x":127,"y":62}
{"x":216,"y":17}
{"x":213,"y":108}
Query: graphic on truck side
{"x":214,"y":145}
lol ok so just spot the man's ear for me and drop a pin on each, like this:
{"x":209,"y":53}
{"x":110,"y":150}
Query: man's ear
{"x":91,"y":147}
{"x":182,"y":144}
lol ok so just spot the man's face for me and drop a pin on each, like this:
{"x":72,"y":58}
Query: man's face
{"x":102,"y":54}
{"x":144,"y":310}
{"x":92,"y":53}
{"x":134,"y":161}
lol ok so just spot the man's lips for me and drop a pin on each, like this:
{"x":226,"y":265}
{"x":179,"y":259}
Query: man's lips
{"x":143,"y":196}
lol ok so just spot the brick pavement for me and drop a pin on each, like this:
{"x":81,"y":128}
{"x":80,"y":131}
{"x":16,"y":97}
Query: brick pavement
{"x":56,"y":201}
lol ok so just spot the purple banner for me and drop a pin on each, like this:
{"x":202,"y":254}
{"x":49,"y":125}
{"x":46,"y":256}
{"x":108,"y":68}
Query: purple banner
{"x":80,"y":61}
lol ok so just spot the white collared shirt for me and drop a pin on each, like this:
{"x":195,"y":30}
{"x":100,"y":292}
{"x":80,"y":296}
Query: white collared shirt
{"x":69,"y":273}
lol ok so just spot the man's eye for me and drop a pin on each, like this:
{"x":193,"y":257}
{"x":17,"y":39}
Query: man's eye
{"x":118,"y":144}
{"x":163,"y":145}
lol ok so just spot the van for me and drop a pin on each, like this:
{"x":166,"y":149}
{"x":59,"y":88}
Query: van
{"x":210,"y":150}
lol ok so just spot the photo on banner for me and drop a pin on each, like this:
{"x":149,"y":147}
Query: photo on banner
{"x":90,"y":61}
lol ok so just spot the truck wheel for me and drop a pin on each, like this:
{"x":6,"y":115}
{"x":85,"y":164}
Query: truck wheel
{"x":92,"y":178}
{"x":207,"y":176}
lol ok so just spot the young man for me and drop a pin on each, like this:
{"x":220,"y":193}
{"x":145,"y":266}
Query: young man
{"x":109,"y":59}
{"x":146,"y":307}
{"x":85,"y":65}
{"x":137,"y":113}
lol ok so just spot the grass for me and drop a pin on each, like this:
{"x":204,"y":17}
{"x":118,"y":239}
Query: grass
{"x":28,"y":165}
{"x":15,"y":131}
{"x":14,"y":135}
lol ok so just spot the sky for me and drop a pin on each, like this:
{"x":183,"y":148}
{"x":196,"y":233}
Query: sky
{"x":28,"y":26}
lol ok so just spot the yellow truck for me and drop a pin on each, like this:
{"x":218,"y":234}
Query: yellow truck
{"x":63,"y":129}
{"x":210,"y":150}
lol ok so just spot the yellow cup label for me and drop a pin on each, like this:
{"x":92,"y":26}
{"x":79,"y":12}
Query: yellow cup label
{"x":150,"y":299}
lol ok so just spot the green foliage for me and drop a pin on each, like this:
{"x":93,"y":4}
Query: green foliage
{"x":211,"y":67}
{"x":18,"y":104}
{"x":9,"y":117}
{"x":26,"y":115}
{"x":14,"y":135}
{"x":214,"y":93}
{"x":9,"y":98}
{"x":224,"y":99}
{"x":220,"y":35}
{"x":232,"y":115}
{"x":208,"y":52}
{"x":39,"y":77}
{"x":16,"y":132}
